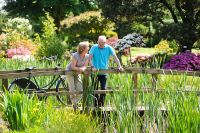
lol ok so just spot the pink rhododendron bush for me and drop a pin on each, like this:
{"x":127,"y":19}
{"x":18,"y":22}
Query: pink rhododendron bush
{"x":112,"y":41}
{"x":17,"y":51}
{"x":184,"y":61}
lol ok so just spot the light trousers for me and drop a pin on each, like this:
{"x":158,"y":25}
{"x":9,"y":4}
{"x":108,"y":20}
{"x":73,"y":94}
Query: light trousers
{"x":75,"y":84}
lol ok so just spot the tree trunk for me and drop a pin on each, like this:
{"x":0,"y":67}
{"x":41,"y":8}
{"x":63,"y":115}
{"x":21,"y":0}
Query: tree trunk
{"x":186,"y":46}
{"x":187,"y":38}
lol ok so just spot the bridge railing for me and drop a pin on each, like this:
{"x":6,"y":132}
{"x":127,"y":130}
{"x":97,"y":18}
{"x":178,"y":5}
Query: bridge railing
{"x":5,"y":75}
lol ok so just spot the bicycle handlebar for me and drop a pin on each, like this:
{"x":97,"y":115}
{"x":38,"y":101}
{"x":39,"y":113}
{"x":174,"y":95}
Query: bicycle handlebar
{"x":51,"y":58}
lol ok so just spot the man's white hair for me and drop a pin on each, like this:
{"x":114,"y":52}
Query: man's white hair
{"x":102,"y":37}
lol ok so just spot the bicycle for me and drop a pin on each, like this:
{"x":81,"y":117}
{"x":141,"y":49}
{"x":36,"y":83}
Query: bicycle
{"x":30,"y":84}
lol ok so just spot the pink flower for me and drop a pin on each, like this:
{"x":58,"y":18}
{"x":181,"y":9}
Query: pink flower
{"x":112,"y":41}
{"x":17,"y":51}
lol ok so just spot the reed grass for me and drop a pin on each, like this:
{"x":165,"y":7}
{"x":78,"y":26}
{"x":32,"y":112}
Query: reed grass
{"x":181,"y":115}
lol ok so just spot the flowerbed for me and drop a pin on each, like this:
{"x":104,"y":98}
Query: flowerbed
{"x":184,"y":61}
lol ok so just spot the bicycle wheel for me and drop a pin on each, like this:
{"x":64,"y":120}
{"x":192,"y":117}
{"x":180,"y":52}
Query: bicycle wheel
{"x":62,"y":86}
{"x":22,"y":84}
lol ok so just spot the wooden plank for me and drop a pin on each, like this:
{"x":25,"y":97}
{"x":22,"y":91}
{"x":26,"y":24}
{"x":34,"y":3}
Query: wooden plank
{"x":33,"y":70}
{"x":53,"y":93}
{"x":48,"y":93}
{"x":138,"y":109}
{"x":150,"y":90}
{"x":150,"y":71}
{"x":55,"y":71}
{"x":38,"y":73}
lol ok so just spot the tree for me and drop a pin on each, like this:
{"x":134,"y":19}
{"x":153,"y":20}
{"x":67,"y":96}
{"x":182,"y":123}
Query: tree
{"x":58,"y":9}
{"x":185,"y":27}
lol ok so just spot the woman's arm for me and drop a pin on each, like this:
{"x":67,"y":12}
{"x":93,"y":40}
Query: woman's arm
{"x":73,"y":64}
{"x":74,"y":67}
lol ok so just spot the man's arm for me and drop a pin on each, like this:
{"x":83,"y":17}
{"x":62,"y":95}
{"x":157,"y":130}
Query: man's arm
{"x":91,"y":64}
{"x":90,"y":60}
{"x":118,"y":62}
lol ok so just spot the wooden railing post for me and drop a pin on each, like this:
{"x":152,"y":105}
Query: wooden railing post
{"x":135,"y":85}
{"x":85,"y":92}
{"x":135,"y":80}
{"x":154,"y":81}
{"x":4,"y":84}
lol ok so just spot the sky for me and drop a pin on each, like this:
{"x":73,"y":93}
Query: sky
{"x":1,"y":3}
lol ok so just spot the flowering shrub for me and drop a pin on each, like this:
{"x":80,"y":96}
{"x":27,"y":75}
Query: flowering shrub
{"x":184,"y":61}
{"x":141,"y":58}
{"x":2,"y":41}
{"x":19,"y":25}
{"x":128,"y":41}
{"x":163,"y":46}
{"x":27,"y":44}
{"x":17,"y":34}
{"x":17,"y":51}
{"x":112,"y":41}
{"x":149,"y":60}
{"x":2,"y":53}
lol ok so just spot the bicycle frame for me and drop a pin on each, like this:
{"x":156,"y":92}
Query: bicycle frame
{"x":47,"y":86}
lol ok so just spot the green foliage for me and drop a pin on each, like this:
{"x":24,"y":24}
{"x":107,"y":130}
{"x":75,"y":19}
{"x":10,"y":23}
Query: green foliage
{"x":183,"y":112}
{"x":51,"y":44}
{"x":183,"y":27}
{"x":197,"y":44}
{"x":178,"y":32}
{"x":3,"y":20}
{"x":20,"y":110}
{"x":48,"y":27}
{"x":140,"y":28}
{"x":174,"y":45}
{"x":87,"y":26}
{"x":110,"y":34}
{"x":28,"y":114}
{"x":58,"y":9}
{"x":51,"y":47}
{"x":67,"y":121}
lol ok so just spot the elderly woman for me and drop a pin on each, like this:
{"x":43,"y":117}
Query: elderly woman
{"x":78,"y":63}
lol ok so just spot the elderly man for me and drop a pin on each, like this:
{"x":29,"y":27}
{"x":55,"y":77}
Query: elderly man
{"x":99,"y":56}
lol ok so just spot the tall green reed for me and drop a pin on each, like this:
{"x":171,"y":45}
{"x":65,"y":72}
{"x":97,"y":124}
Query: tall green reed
{"x":183,"y":112}
{"x":161,"y":109}
{"x":125,"y":117}
{"x":19,"y":109}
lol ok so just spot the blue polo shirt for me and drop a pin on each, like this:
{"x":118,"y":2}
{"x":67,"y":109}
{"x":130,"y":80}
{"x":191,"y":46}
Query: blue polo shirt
{"x":101,"y":56}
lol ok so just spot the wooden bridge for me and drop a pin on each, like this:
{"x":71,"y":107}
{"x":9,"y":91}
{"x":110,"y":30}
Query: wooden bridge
{"x":5,"y":75}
